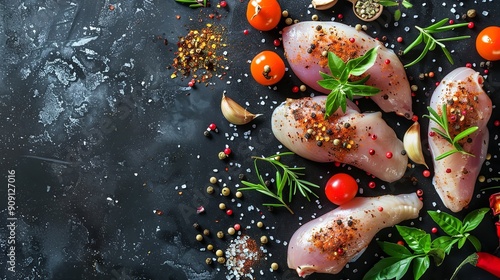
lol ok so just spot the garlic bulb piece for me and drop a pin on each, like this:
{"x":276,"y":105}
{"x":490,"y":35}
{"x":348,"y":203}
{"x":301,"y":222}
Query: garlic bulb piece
{"x":412,"y":144}
{"x":234,"y":113}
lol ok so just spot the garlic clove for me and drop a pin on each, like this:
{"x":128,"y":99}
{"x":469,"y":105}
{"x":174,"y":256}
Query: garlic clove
{"x":234,"y":112}
{"x":412,"y":144}
{"x":323,"y":4}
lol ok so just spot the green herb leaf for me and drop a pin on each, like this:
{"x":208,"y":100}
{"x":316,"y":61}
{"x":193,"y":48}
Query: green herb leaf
{"x":397,"y":15}
{"x":442,"y":121}
{"x":438,"y":255}
{"x":388,"y":3}
{"x":426,"y":35}
{"x":444,"y":243}
{"x":394,"y":250}
{"x":420,"y":265}
{"x":473,"y":219}
{"x":338,"y":82}
{"x":412,"y":237}
{"x":475,"y":242}
{"x":448,"y":223}
{"x":407,"y":4}
{"x":389,"y":268}
{"x":285,"y":176}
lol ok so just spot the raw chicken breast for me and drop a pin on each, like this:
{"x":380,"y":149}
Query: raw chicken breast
{"x":363,"y":140}
{"x":327,"y":243}
{"x":468,"y":104}
{"x":305,"y":43}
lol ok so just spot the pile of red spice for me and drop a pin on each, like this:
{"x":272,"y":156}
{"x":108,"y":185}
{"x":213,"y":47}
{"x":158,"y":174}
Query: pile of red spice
{"x":199,"y":54}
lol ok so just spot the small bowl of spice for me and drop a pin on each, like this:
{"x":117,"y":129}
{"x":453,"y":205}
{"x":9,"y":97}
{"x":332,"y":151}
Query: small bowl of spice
{"x":367,"y":10}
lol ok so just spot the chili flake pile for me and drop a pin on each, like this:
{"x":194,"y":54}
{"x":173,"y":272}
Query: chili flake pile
{"x":199,"y":53}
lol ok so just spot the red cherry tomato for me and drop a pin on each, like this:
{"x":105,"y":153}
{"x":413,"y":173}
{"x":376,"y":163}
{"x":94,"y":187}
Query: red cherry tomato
{"x":267,"y":68}
{"x":263,"y":15}
{"x":488,"y":43}
{"x":341,"y":188}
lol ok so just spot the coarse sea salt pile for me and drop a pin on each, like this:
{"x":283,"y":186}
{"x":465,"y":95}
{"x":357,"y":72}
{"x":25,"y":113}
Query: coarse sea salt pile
{"x":241,"y":256}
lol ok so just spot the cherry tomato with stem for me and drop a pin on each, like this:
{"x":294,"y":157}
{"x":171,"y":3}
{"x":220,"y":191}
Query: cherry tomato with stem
{"x":488,"y":43}
{"x":263,"y":15}
{"x":267,"y":68}
{"x":341,"y":188}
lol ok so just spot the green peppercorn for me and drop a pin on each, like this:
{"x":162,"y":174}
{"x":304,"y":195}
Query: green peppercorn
{"x":208,"y":260}
{"x":226,"y":191}
{"x":231,"y":231}
{"x":219,"y":253}
{"x":238,"y":194}
{"x":284,"y":13}
{"x":288,"y":21}
{"x":222,"y":206}
{"x":222,"y":155}
{"x":210,"y":247}
{"x":220,"y":234}
{"x":199,"y":237}
{"x":221,"y":260}
{"x":314,"y":17}
{"x":213,"y":180}
{"x":206,"y":232}
{"x":274,"y":266}
{"x":260,"y":224}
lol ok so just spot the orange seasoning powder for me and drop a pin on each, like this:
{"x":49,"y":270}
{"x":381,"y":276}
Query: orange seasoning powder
{"x":335,"y":239}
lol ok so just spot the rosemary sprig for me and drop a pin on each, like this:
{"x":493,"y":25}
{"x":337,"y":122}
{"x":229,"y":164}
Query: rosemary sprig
{"x":193,"y":3}
{"x":392,"y":3}
{"x":340,"y":85}
{"x":426,"y":37}
{"x":442,"y":121}
{"x":285,"y":177}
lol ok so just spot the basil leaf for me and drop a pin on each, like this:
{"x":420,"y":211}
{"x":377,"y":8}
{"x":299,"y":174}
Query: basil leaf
{"x":425,"y":243}
{"x":449,"y":224}
{"x":407,"y":4}
{"x":361,"y":81}
{"x":333,"y":102}
{"x":412,"y":237}
{"x":389,"y":268}
{"x":364,"y":90}
{"x":475,"y":242}
{"x":326,"y":76}
{"x":329,"y":83}
{"x":388,"y":3}
{"x":420,"y":265}
{"x":473,"y":219}
{"x":335,"y":64}
{"x":359,"y":65}
{"x":444,"y":243}
{"x":438,"y":255}
{"x":394,"y":250}
{"x":461,"y":241}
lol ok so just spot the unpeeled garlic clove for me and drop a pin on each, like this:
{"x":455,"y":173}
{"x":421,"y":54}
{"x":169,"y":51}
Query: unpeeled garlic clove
{"x":412,"y":144}
{"x":323,"y":4}
{"x":234,"y":113}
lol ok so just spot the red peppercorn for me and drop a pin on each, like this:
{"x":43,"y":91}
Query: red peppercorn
{"x":401,"y":242}
{"x":453,"y":118}
{"x":496,"y":123}
{"x":426,"y":173}
{"x":414,"y":118}
{"x":191,"y":83}
{"x":486,"y":71}
{"x":448,"y":170}
{"x":432,"y":133}
{"x":295,"y":89}
{"x":451,"y":21}
{"x":227,"y":151}
{"x":277,"y":42}
{"x":399,"y":39}
{"x":372,"y":185}
{"x":245,"y":31}
{"x":468,"y":65}
{"x":212,"y":126}
{"x":434,"y":230}
{"x":337,"y":163}
{"x":237,"y":226}
{"x":420,"y":192}
{"x":470,"y":25}
{"x":380,"y":208}
{"x":388,"y":155}
{"x":223,"y":4}
{"x":340,"y":16}
{"x":437,"y":83}
{"x":340,"y":251}
{"x":158,"y":212}
{"x":371,"y":152}
{"x":352,"y":40}
{"x":387,"y":61}
{"x":229,"y":212}
{"x":374,"y":136}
